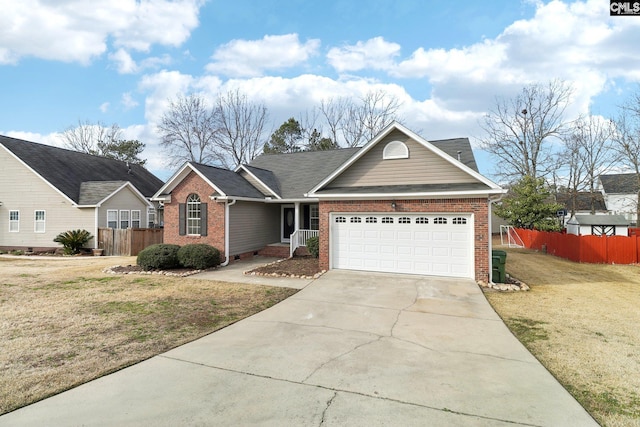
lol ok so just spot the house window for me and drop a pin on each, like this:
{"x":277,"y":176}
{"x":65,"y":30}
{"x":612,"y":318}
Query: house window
{"x":459,"y":221}
{"x":14,"y":221}
{"x":39,"y":222}
{"x":371,"y":220}
{"x":124,"y":219}
{"x":387,"y":220}
{"x":440,"y":220}
{"x":193,"y":214}
{"x":395,"y":150}
{"x":135,"y":219}
{"x":422,"y":220}
{"x":151,"y":214}
{"x":356,"y":219}
{"x":112,"y":219}
{"x":341,"y":219}
{"x":404,"y":220}
{"x":314,"y":217}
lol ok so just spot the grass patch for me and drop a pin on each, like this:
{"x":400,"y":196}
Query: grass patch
{"x":77,"y":323}
{"x":527,"y":330}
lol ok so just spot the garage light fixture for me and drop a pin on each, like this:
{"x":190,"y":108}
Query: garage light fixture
{"x":393,"y":205}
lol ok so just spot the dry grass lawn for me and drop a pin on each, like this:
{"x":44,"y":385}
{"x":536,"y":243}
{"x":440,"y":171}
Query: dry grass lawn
{"x":582,"y":321}
{"x":64,"y":322}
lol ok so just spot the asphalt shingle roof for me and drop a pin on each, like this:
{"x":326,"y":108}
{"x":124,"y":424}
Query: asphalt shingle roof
{"x":455,"y":145}
{"x":229,"y":182}
{"x":583,"y":201}
{"x":267,"y":177}
{"x":622,"y":183}
{"x":93,"y":192}
{"x":66,"y":170}
{"x":600,"y":220}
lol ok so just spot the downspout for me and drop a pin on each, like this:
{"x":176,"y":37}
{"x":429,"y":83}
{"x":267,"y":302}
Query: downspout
{"x":491,"y":202}
{"x":226,"y":232}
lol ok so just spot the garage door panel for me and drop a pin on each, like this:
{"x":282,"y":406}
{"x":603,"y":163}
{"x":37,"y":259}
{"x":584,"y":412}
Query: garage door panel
{"x":404,"y":243}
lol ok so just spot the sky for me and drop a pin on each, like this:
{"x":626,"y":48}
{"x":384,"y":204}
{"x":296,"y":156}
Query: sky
{"x":123,"y":61}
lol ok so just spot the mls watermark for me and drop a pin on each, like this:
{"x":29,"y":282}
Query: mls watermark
{"x":622,"y":8}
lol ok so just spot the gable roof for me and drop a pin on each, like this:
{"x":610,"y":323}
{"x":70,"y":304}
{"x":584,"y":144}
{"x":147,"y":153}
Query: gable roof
{"x":599,"y":220}
{"x":227,"y":182}
{"x":297,"y":173}
{"x":583,"y":201}
{"x":459,"y":145}
{"x":621,"y":183}
{"x":266,"y":177}
{"x":66,"y":170}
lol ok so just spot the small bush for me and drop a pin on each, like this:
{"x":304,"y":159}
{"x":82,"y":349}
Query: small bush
{"x":313,"y":246}
{"x":73,"y":240}
{"x":199,"y":256}
{"x":159,"y":257}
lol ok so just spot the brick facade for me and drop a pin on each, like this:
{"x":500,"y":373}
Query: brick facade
{"x":478,"y":207}
{"x":215,"y":214}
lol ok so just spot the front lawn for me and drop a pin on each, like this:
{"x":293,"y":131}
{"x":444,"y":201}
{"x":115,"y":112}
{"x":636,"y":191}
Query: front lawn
{"x":65,"y":322}
{"x":581,"y":321}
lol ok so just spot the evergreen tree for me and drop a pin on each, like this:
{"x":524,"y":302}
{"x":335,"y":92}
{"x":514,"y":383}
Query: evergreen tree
{"x":527,"y":206}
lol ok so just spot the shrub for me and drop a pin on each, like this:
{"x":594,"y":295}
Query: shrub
{"x":160,"y":257}
{"x":73,"y":240}
{"x":199,"y":256}
{"x":313,"y":246}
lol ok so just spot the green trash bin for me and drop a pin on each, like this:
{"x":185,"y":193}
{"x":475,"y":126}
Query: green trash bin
{"x":498,"y":271}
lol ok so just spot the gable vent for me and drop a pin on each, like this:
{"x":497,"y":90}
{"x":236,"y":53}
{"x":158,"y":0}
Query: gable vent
{"x":395,"y":150}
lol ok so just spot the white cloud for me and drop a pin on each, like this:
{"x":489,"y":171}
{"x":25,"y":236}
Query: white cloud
{"x":124,"y":62}
{"x":104,"y":107}
{"x":249,"y":58}
{"x":375,"y":53}
{"x":78,"y":30}
{"x":128,"y":102}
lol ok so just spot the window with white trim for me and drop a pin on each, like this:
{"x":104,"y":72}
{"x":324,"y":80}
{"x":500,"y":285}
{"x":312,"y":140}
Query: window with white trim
{"x":151,"y":215}
{"x":356,"y":219}
{"x":39,"y":222}
{"x":314,"y":217}
{"x":404,"y":220}
{"x":395,"y":150}
{"x":124,"y":219}
{"x":387,"y":220}
{"x":371,"y":220}
{"x":459,"y":221}
{"x":422,"y":220}
{"x":135,"y":219}
{"x":14,"y":221}
{"x":440,"y":220}
{"x":341,"y":219}
{"x":193,"y":215}
{"x":112,"y":218}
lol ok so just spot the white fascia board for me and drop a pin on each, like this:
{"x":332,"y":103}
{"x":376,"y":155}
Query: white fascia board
{"x":178,"y":177}
{"x":231,"y":198}
{"x":137,"y":193}
{"x":418,"y":195}
{"x":273,"y":193}
{"x":39,"y":176}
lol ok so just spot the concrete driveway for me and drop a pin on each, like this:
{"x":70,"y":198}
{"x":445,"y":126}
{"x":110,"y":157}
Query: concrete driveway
{"x":351,"y":348}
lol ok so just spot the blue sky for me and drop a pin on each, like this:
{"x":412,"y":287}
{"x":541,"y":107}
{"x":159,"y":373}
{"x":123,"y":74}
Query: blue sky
{"x":120,"y":61}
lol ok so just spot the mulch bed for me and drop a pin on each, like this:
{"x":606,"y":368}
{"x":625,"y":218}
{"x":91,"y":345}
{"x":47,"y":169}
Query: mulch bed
{"x":302,"y":267}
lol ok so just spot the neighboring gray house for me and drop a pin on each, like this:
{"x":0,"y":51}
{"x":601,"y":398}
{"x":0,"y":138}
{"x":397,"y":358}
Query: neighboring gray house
{"x":620,"y":192}
{"x":400,"y":203}
{"x":598,"y":225}
{"x":45,"y":190}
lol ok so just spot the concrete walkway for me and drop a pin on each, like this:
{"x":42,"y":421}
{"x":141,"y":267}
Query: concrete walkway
{"x":355,"y":349}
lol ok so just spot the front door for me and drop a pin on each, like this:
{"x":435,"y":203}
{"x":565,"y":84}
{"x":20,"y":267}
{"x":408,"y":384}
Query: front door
{"x":288,"y":223}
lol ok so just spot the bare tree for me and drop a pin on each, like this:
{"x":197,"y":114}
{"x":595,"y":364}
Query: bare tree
{"x":627,"y":141}
{"x":519,"y":130}
{"x":189,"y":130}
{"x":88,"y":137}
{"x":354,"y":122}
{"x":241,"y":125}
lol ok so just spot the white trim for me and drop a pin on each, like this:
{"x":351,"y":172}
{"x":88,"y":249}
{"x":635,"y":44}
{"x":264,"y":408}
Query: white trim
{"x":132,"y":187}
{"x":43,"y":221}
{"x":258,"y":179}
{"x":393,"y":146}
{"x":139,"y":218}
{"x":120,"y":219}
{"x":116,"y":221}
{"x":420,"y":140}
{"x":418,"y":195}
{"x":282,"y":208}
{"x":14,"y":221}
{"x":177,"y":177}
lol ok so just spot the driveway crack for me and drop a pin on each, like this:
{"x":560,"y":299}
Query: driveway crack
{"x":329,"y":402}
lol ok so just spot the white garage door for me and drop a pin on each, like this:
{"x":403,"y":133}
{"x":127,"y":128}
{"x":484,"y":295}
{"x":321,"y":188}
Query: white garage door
{"x":430,"y":244}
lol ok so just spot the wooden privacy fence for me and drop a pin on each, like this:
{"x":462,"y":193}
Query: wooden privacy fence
{"x":589,"y":249}
{"x":128,"y":242}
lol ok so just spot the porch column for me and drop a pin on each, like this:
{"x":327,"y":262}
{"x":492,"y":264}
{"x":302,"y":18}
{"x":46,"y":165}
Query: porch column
{"x":297,"y":217}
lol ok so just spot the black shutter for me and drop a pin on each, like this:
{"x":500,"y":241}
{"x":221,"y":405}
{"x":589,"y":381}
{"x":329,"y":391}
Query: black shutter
{"x":203,"y":219}
{"x":182,"y":219}
{"x":305,"y":217}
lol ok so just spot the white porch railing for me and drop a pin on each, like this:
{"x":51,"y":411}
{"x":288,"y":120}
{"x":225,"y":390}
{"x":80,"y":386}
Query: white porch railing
{"x":299,"y":238}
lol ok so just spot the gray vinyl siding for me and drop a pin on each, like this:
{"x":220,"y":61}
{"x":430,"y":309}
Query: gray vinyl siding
{"x":252,"y":226}
{"x":255,"y":183}
{"x":422,"y":167}
{"x":22,"y":190}
{"x":125,"y":199}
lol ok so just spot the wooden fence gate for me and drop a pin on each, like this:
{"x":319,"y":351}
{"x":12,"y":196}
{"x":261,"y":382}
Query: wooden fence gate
{"x":128,"y":242}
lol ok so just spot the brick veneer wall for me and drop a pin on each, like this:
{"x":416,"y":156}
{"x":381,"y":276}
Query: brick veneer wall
{"x":215,"y":214}
{"x":478,"y":207}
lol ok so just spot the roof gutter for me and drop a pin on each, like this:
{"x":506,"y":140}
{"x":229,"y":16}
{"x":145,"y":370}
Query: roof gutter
{"x":227,"y":204}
